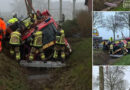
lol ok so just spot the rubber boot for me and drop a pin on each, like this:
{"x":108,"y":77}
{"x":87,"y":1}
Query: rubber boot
{"x":55,"y":54}
{"x":62,"y":55}
{"x":42,"y":56}
{"x":12,"y":52}
{"x":31,"y":57}
{"x":18,"y":56}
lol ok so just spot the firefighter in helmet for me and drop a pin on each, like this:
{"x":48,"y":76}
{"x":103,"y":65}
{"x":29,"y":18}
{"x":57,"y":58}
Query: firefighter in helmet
{"x":125,"y":51}
{"x":36,"y":44}
{"x":13,"y":20}
{"x":111,"y":48}
{"x":15,"y":42}
{"x":60,"y":44}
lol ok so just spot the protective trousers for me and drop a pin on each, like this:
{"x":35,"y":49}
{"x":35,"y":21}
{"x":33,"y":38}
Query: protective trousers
{"x":35,"y":51}
{"x":15,"y":50}
{"x":57,"y":49}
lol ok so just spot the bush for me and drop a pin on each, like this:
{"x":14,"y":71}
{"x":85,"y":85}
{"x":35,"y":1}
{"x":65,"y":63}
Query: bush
{"x":80,"y":26}
{"x":84,"y":20}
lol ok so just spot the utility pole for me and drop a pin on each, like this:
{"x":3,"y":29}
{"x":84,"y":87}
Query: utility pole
{"x":101,"y":78}
{"x":74,"y":2}
{"x":60,"y":10}
{"x":48,"y":5}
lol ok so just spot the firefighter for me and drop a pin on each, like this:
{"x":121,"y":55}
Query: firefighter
{"x":60,"y":44}
{"x":2,"y":31}
{"x":30,"y":21}
{"x":36,"y":44}
{"x":125,"y":51}
{"x":15,"y":42}
{"x":33,"y":18}
{"x":111,"y":39}
{"x":111,"y":48}
{"x":13,"y":20}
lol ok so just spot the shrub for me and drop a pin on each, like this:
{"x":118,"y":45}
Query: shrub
{"x":80,"y":26}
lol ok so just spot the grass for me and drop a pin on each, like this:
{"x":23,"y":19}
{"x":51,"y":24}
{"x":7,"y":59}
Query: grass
{"x":125,"y":60}
{"x":120,"y":8}
{"x":11,"y":75}
{"x":78,"y":77}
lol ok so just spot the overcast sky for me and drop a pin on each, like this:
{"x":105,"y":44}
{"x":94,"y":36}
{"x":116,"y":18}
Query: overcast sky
{"x":5,"y":4}
{"x":106,"y":34}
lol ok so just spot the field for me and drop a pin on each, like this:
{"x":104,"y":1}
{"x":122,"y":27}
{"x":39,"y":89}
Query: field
{"x":12,"y":76}
{"x":125,"y":60}
{"x":78,"y":77}
{"x":120,"y":8}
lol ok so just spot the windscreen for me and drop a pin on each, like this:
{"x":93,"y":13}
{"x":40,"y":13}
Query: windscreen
{"x":49,"y":33}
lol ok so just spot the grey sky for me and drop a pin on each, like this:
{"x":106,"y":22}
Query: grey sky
{"x":6,"y":6}
{"x":106,"y":34}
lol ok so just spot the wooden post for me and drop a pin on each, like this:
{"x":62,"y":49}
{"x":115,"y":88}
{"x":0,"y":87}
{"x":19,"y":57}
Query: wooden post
{"x":101,"y":78}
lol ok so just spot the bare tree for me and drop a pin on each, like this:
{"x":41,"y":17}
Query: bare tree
{"x":112,"y":23}
{"x":97,"y":19}
{"x":125,"y":18}
{"x":122,"y":85}
{"x":113,"y":77}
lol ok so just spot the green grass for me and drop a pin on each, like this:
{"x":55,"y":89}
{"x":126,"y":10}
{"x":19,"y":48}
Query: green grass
{"x":78,"y":77}
{"x":125,"y":60}
{"x":11,"y":75}
{"x":120,"y":8}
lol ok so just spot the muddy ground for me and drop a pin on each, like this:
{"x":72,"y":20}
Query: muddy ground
{"x":101,"y":57}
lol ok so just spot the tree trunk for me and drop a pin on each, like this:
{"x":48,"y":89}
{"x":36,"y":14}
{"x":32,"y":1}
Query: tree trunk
{"x":101,"y":76}
{"x":114,"y":33}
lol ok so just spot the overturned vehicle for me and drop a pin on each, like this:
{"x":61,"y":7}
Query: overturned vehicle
{"x":38,"y":45}
{"x":117,"y":49}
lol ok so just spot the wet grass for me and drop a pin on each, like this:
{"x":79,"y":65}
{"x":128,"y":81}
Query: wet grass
{"x":120,"y":8}
{"x":11,"y":75}
{"x":125,"y":60}
{"x":78,"y":76}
